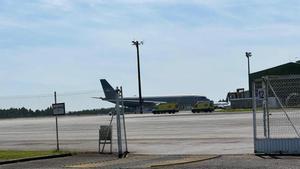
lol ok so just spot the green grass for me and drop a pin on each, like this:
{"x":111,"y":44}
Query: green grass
{"x":12,"y":154}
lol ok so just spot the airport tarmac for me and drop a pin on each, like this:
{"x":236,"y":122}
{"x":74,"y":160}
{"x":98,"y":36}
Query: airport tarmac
{"x":182,"y":133}
{"x":137,"y":161}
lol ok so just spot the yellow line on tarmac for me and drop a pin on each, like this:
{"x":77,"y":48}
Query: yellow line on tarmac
{"x":184,"y":161}
{"x":147,"y":163}
{"x":86,"y":165}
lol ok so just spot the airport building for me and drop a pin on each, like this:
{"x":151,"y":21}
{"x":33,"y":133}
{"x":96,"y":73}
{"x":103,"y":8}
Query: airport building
{"x":242,"y":98}
{"x":291,"y":68}
{"x":239,"y":99}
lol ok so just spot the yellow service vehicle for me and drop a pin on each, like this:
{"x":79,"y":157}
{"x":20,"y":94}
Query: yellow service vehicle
{"x":203,"y":106}
{"x":165,"y":108}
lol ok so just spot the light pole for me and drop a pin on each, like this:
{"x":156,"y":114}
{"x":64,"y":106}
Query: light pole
{"x":248,"y":55}
{"x":136,"y":44}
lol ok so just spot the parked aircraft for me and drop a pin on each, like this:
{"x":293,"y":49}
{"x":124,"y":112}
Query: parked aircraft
{"x":184,"y":101}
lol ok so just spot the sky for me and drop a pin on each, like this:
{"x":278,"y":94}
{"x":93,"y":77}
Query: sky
{"x":190,"y":47}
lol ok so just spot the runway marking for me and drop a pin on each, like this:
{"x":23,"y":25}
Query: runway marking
{"x":184,"y":160}
{"x":88,"y":165}
{"x":117,"y":162}
{"x":145,"y":162}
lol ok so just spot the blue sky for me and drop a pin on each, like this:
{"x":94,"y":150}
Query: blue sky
{"x":191,"y":47}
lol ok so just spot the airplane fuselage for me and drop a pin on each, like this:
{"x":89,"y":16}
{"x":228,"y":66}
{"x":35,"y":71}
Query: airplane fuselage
{"x":183,"y":101}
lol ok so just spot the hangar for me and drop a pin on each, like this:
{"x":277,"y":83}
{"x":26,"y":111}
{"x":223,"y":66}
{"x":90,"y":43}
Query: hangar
{"x":291,"y":68}
{"x":243,"y":100}
{"x":276,"y":112}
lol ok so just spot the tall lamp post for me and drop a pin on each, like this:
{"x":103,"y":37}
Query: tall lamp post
{"x":136,"y":44}
{"x":248,"y":55}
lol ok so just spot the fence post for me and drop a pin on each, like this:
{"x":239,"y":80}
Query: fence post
{"x":267,"y":106}
{"x":264,"y":106}
{"x":124,"y":125}
{"x":119,"y":134}
{"x":254,"y":114}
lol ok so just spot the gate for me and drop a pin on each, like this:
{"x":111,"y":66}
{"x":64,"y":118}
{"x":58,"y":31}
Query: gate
{"x":276,"y":114}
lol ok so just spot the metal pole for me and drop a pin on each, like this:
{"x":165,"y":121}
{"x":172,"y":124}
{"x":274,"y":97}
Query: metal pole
{"x":248,"y":55}
{"x":137,"y":43}
{"x":248,"y":69}
{"x":264,"y":107}
{"x":56,"y":124}
{"x":267,"y":106}
{"x":119,"y":124}
{"x":123,"y":113}
{"x":254,"y":114}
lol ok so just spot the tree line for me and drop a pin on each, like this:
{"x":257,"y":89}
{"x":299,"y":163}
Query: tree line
{"x":23,"y":112}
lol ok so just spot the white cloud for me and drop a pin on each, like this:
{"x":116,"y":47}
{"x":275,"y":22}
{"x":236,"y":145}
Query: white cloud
{"x":91,"y":40}
{"x":65,"y":5}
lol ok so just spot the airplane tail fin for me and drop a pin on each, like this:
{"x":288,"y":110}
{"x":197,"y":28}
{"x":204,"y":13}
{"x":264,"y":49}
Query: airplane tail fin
{"x":108,"y":89}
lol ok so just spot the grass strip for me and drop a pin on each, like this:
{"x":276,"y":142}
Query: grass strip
{"x":13,"y":154}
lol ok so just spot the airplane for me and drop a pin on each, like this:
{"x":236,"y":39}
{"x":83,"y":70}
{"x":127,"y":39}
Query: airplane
{"x":183,"y":101}
{"x":222,"y":105}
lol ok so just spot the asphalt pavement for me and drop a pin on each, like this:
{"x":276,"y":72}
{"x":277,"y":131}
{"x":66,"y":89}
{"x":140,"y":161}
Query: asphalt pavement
{"x":162,"y":161}
{"x":182,"y":133}
{"x":184,"y":140}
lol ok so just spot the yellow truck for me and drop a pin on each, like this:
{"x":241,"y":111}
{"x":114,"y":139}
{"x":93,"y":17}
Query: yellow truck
{"x":165,"y":108}
{"x":203,"y":106}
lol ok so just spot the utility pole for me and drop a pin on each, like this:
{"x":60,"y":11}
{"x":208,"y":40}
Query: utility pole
{"x":56,"y":124}
{"x":136,"y":44}
{"x":248,"y":55}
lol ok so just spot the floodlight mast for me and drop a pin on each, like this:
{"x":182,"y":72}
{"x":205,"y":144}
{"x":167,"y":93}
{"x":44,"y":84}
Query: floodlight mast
{"x":136,"y":44}
{"x":248,"y":55}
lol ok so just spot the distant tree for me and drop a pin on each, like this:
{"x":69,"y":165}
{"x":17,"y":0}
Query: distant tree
{"x":23,"y":112}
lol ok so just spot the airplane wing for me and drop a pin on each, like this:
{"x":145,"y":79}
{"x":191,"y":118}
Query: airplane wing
{"x":137,"y":103}
{"x":98,"y":98}
{"x":145,"y":102}
{"x":132,"y":102}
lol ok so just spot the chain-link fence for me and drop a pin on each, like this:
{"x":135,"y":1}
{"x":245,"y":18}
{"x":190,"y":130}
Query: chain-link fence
{"x":276,"y":109}
{"x":78,"y":129}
